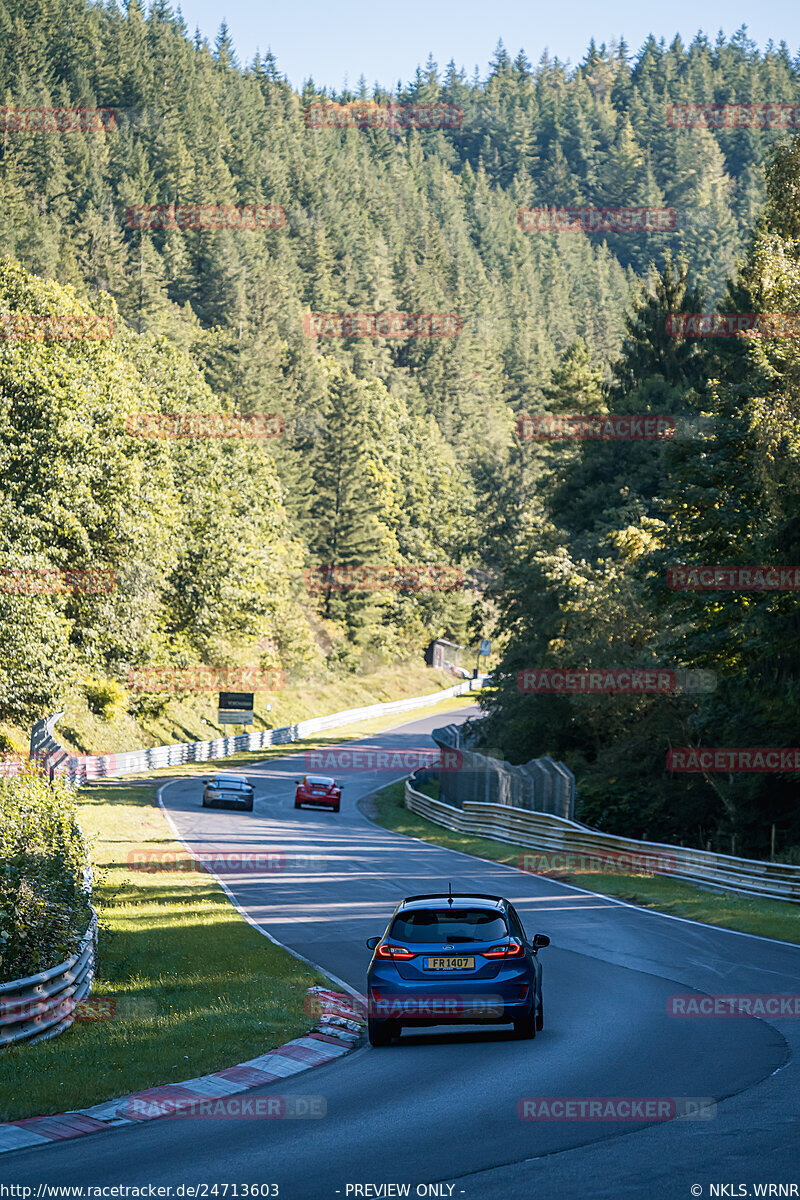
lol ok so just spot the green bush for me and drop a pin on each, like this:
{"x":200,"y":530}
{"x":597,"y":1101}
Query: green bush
{"x":106,"y":698}
{"x":343,"y":659}
{"x":43,"y":908}
{"x":143,"y":705}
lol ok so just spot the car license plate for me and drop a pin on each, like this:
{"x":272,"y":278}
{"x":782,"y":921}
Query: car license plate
{"x":449,"y":964}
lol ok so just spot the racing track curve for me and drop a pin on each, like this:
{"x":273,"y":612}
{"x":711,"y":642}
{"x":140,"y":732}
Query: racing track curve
{"x":441,"y":1106}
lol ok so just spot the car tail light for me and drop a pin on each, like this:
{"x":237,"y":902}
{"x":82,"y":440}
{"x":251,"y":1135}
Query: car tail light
{"x":386,"y":950}
{"x":513,"y":949}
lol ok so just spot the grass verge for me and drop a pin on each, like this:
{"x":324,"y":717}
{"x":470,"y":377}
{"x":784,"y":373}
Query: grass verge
{"x":769,"y":918}
{"x":195,"y":988}
{"x":193,"y":718}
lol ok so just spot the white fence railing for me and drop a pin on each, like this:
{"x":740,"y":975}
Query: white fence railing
{"x":559,"y":840}
{"x":79,"y":770}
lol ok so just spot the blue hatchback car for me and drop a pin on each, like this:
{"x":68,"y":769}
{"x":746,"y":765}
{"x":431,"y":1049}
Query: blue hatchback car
{"x":449,"y":959}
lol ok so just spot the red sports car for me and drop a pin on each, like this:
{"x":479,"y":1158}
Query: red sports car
{"x":318,"y":789}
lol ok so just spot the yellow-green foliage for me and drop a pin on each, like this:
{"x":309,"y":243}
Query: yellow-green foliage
{"x":43,"y":909}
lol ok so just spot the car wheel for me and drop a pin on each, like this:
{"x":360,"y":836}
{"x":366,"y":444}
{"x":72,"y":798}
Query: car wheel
{"x":248,"y":808}
{"x":525,"y":1027}
{"x":205,"y":805}
{"x":540,"y":1016}
{"x":297,"y":805}
{"x":336,"y":809}
{"x":380,"y":1033}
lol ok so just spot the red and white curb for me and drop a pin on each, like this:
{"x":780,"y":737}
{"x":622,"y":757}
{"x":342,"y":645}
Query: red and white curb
{"x":337,"y":1033}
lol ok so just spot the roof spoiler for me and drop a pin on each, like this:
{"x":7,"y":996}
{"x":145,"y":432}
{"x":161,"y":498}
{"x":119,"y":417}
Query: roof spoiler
{"x":455,"y":896}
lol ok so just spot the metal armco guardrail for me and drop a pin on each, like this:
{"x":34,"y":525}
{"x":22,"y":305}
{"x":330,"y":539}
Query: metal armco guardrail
{"x":551,"y":834}
{"x":43,"y":1005}
{"x":80,"y":770}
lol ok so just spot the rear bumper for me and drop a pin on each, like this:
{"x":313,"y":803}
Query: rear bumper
{"x":502,"y":1016}
{"x":506,"y":1018}
{"x":507,"y":997}
{"x":241,"y":805}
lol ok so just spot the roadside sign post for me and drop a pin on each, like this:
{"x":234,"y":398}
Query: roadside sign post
{"x":235,"y":708}
{"x":234,"y":718}
{"x":485,"y":651}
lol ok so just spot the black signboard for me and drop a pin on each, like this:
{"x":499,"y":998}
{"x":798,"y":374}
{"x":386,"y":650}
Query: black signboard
{"x":237,"y":701}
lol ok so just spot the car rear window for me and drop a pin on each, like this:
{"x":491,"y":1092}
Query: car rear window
{"x":449,"y":925}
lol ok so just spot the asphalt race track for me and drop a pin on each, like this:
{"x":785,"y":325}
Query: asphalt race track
{"x":441,"y":1106}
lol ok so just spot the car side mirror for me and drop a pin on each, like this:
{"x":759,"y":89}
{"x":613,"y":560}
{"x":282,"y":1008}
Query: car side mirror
{"x":540,"y":940}
{"x":297,"y":781}
{"x":372,"y":942}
